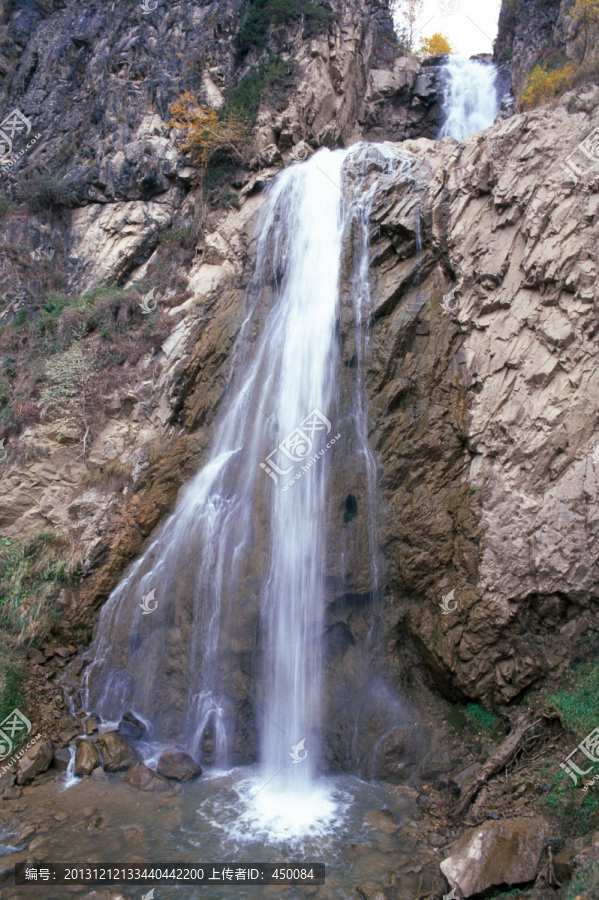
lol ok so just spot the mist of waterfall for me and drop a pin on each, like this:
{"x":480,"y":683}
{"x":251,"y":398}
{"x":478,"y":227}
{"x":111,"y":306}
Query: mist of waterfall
{"x":471,"y":101}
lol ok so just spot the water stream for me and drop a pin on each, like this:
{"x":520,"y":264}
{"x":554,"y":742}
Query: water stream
{"x":249,"y":536}
{"x":471,"y":101}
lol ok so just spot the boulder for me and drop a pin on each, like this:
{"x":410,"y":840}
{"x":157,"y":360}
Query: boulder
{"x":86,"y":758}
{"x":178,"y":765}
{"x":35,"y":761}
{"x":8,"y":788}
{"x":502,"y":852}
{"x":117,"y":754}
{"x":131,"y":727}
{"x":35,"y":657}
{"x":62,"y":758}
{"x":144,"y":779}
{"x":89,"y":725}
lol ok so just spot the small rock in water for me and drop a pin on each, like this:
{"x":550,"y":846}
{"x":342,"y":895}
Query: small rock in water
{"x":178,"y":765}
{"x":144,"y":779}
{"x":89,"y":725}
{"x":370,"y":891}
{"x":382,"y":820}
{"x":131,"y":727}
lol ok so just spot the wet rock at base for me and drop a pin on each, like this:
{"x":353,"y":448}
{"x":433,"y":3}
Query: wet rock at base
{"x":86,"y":758}
{"x":62,"y":757}
{"x":90,"y":726}
{"x":178,"y":765}
{"x":370,"y":891}
{"x":35,"y":761}
{"x":144,"y":779}
{"x":494,"y":853}
{"x":116,"y":753}
{"x":8,"y":788}
{"x":131,"y":727}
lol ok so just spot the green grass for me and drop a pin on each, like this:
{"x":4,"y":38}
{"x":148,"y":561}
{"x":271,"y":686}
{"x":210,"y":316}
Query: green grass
{"x":32,"y":572}
{"x":474,"y":719}
{"x":578,"y":706}
{"x":584,"y":883}
{"x":11,"y":674}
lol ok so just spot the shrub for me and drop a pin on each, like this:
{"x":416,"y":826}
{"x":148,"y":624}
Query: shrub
{"x":69,"y":395}
{"x":11,"y":674}
{"x":45,"y":192}
{"x":262,"y":16}
{"x":543,"y":84}
{"x":271,"y":81}
{"x":209,"y":134}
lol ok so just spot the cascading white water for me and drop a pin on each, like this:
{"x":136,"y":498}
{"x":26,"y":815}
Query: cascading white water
{"x":471,"y":101}
{"x":283,"y":391}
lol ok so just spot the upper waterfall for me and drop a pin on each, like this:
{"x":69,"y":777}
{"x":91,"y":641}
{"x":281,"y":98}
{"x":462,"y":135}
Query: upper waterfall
{"x":471,"y":101}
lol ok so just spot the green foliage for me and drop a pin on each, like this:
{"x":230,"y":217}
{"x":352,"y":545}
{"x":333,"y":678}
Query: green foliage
{"x":271,"y":81}
{"x":574,"y":809}
{"x":585,"y":883}
{"x":262,"y":16}
{"x":11,"y":675}
{"x":578,"y":707}
{"x":474,"y":719}
{"x":32,"y":572}
{"x":46,"y":192}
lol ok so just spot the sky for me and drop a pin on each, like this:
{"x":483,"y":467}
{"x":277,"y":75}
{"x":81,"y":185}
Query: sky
{"x":470,"y":25}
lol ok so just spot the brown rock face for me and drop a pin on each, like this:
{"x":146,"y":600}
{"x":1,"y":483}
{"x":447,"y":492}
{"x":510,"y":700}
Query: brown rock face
{"x":116,"y":753}
{"x":502,"y":852}
{"x":144,"y":779}
{"x":35,"y":761}
{"x":178,"y":765}
{"x":86,"y":758}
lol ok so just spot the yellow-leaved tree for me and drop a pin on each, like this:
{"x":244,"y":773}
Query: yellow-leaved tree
{"x":208,"y":133}
{"x":434,"y":45}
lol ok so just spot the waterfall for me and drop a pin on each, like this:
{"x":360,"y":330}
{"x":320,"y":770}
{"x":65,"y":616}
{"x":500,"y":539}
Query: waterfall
{"x":471,"y":100}
{"x":248,"y":539}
